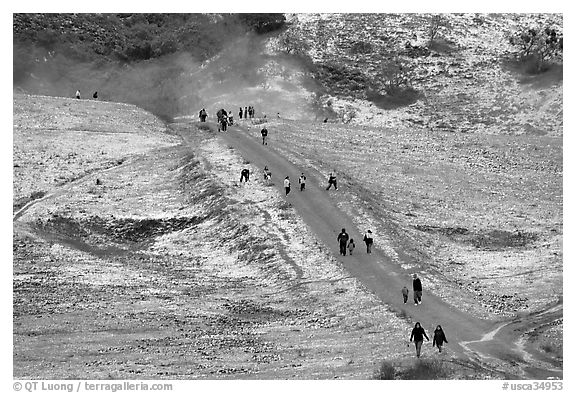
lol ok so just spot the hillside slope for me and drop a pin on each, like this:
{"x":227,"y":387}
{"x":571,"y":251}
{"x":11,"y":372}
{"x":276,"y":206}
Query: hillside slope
{"x":466,"y":81}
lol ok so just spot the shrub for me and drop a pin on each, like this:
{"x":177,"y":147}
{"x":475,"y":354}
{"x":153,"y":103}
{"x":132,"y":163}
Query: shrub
{"x":263,"y":23}
{"x":537,"y":47}
{"x":362,"y":47}
{"x":385,"y":371}
{"x":203,"y":127}
{"x":399,"y":97}
{"x":291,"y":42}
{"x":395,"y":76}
{"x":425,"y":369}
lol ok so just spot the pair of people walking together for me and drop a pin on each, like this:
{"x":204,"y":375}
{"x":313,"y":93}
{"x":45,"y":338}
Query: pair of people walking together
{"x":418,"y":335}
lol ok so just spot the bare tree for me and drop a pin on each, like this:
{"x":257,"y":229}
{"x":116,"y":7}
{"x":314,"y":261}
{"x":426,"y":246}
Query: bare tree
{"x":437,"y":22}
{"x":396,"y":75}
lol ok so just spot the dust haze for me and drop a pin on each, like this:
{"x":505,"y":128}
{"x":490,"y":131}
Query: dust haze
{"x":244,"y":73}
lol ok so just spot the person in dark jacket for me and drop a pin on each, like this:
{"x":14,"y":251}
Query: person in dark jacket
{"x":240,"y":113}
{"x":417,"y":288}
{"x":264,"y":133}
{"x":439,"y":338}
{"x":245,"y":175}
{"x":203,"y":115}
{"x":343,"y":241}
{"x":418,"y":335}
{"x":332,"y":181}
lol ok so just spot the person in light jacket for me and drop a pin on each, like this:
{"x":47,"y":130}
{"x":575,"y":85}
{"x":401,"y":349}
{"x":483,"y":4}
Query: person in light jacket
{"x":369,"y":240}
{"x":287,"y":184}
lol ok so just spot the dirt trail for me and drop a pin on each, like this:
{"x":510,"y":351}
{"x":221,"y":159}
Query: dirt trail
{"x":479,"y":339}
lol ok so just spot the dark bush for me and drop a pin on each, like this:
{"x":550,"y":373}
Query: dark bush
{"x":386,"y":371}
{"x":263,"y":23}
{"x":399,"y":97}
{"x":361,"y":47}
{"x":425,"y":369}
{"x":537,"y":47}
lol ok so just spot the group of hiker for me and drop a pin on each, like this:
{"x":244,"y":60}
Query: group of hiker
{"x":248,"y":112}
{"x":224,"y":118}
{"x":346,"y":243}
{"x":347,"y":246}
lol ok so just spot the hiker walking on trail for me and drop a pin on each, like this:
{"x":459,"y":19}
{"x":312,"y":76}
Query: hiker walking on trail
{"x":203,"y":115}
{"x":267,"y":174}
{"x":405,"y":294}
{"x":224,"y":123}
{"x":343,"y":241}
{"x":369,"y":240}
{"x":417,"y":288}
{"x":418,"y":335}
{"x":240,"y":113}
{"x":351,"y":246}
{"x":264,"y":133}
{"x":302,"y":181}
{"x":245,"y":174}
{"x":439,"y":338}
{"x":287,"y":184}
{"x":245,"y":112}
{"x":332,"y":181}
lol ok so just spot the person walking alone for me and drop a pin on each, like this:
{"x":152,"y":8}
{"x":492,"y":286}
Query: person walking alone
{"x":267,"y":175}
{"x":245,"y":175}
{"x":302,"y":181}
{"x":439,"y":338}
{"x":202,"y":115}
{"x":417,"y":288}
{"x":264,"y":133}
{"x":418,"y":335}
{"x":287,"y":184}
{"x":332,"y":181}
{"x":369,"y":240}
{"x":343,"y":241}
